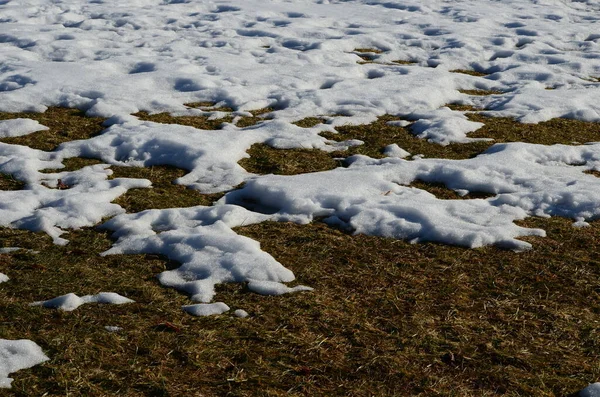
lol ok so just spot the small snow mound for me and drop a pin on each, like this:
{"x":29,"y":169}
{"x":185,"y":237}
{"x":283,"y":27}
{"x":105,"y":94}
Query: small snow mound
{"x":107,"y":298}
{"x":206,"y":309}
{"x":593,"y":390}
{"x":240,"y":313}
{"x":3,"y":278}
{"x":67,"y":302}
{"x":112,"y":328}
{"x":70,"y":302}
{"x":274,"y":288}
{"x":16,"y":355}
{"x":19,"y":127}
{"x":394,"y":150}
{"x":399,"y":123}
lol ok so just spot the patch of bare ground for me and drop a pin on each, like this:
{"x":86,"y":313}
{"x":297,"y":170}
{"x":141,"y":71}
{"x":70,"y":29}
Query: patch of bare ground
{"x":551,"y":132}
{"x":205,"y":122}
{"x":470,"y":72}
{"x":64,"y":125}
{"x":164,"y":193}
{"x":386,"y":318}
{"x":481,"y":92}
{"x":7,"y":182}
{"x":440,"y":191}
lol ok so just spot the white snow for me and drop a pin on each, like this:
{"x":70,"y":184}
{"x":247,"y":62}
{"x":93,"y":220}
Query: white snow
{"x":19,"y":127}
{"x":593,"y":390}
{"x":206,"y":309}
{"x":112,"y":328}
{"x":3,"y":278}
{"x":273,"y":288}
{"x":201,"y":239}
{"x":240,"y":313}
{"x":112,"y":58}
{"x":16,"y":355}
{"x":394,"y":150}
{"x":8,"y":250}
{"x":71,"y":301}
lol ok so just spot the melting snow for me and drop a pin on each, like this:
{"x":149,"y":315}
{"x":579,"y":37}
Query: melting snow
{"x":113,"y":58}
{"x":16,"y":355}
{"x":70,"y":301}
{"x":19,"y":127}
{"x":206,"y":309}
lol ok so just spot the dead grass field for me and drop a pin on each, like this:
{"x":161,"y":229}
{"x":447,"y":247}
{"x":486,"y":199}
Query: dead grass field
{"x":386,"y":318}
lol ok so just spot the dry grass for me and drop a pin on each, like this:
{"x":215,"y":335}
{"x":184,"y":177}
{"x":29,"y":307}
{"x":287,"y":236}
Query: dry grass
{"x":386,"y":318}
{"x":266,"y":160}
{"x":64,"y":125}
{"x":379,"y":134}
{"x":368,"y":55}
{"x":481,"y":92}
{"x":163,"y":194}
{"x":204,"y":122}
{"x":470,"y":72}
{"x":555,"y":131}
{"x":440,"y":191}
{"x":7,"y":182}
{"x":404,"y":62}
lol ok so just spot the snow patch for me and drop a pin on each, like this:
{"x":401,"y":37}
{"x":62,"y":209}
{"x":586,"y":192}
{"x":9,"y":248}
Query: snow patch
{"x":70,"y":301}
{"x":206,"y":309}
{"x":16,"y":355}
{"x":19,"y":127}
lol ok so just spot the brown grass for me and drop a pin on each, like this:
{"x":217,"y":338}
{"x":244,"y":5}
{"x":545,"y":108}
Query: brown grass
{"x":379,"y":134}
{"x":440,"y":191}
{"x":481,"y":92}
{"x":470,"y":72}
{"x":368,"y":55}
{"x":204,"y":122}
{"x":386,"y":318}
{"x":163,"y":193}
{"x":65,"y":125}
{"x":266,"y":160}
{"x":7,"y":182}
{"x":555,"y":131}
{"x":404,"y":62}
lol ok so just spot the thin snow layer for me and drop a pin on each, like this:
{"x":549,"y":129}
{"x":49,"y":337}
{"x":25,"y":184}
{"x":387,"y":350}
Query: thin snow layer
{"x":19,"y":127}
{"x":593,"y":390}
{"x":206,"y":309}
{"x":114,"y":58}
{"x":3,"y":278}
{"x":201,"y":239}
{"x":371,"y":196}
{"x":43,"y":207}
{"x":70,"y":301}
{"x":16,"y":355}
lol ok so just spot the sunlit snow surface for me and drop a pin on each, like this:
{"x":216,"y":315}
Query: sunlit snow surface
{"x":16,"y":355}
{"x":114,"y":58}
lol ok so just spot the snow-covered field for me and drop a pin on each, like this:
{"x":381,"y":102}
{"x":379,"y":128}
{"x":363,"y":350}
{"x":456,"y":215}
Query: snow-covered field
{"x":301,"y":58}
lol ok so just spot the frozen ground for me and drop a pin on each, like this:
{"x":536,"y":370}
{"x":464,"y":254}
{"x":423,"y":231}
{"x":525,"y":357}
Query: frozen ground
{"x":113,"y":58}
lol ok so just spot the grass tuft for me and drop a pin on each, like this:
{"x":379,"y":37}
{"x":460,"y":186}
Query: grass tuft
{"x":470,"y":72}
{"x":481,"y":92}
{"x":266,"y":160}
{"x":7,"y":182}
{"x":440,"y":191}
{"x":404,"y":62}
